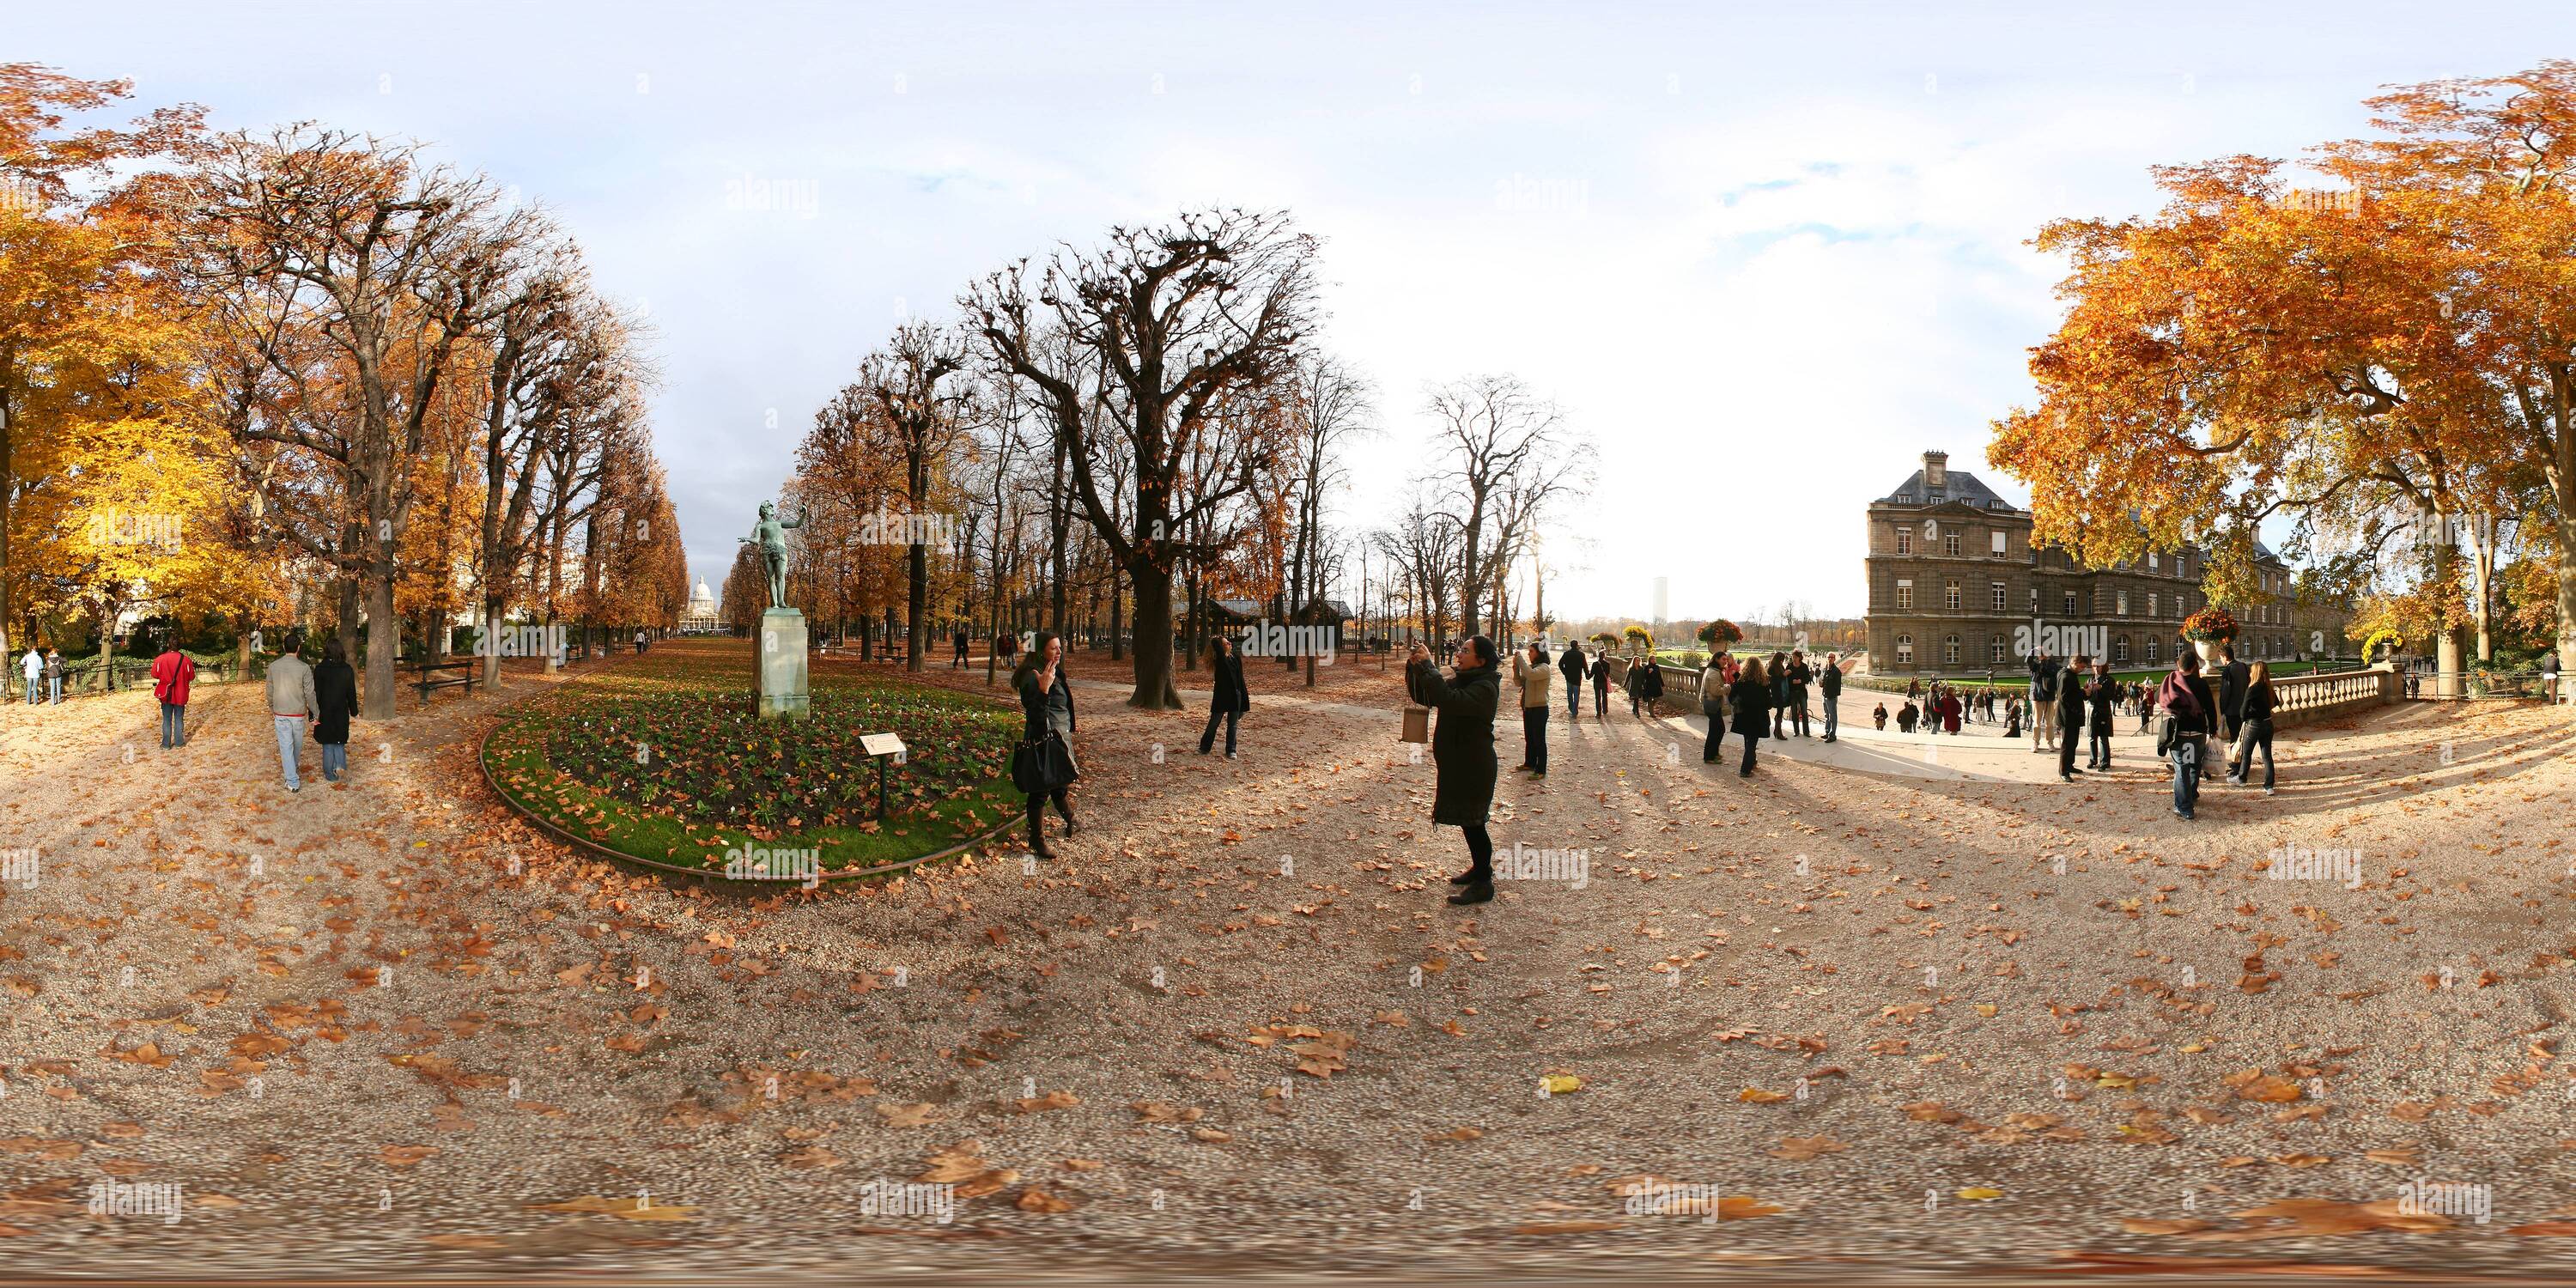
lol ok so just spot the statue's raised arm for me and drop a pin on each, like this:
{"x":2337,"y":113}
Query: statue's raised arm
{"x":798,"y":521}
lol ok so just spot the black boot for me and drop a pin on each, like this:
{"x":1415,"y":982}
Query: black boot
{"x":1478,"y":892}
{"x":1037,"y":837}
{"x":1070,"y":827}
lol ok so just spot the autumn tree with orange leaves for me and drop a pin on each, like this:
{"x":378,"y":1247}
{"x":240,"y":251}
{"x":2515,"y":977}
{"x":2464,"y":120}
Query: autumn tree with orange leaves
{"x":2391,"y":359}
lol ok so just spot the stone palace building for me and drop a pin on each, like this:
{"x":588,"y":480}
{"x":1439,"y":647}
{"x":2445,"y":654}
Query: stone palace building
{"x":1956,"y":588}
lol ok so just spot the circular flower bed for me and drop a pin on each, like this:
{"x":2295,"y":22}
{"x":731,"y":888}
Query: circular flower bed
{"x":666,"y":760}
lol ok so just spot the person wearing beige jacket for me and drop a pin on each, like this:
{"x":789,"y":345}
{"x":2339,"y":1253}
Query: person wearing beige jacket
{"x":291,"y":705}
{"x":1530,"y":670}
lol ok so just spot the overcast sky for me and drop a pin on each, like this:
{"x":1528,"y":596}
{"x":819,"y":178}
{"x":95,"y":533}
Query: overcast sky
{"x":1763,"y":256}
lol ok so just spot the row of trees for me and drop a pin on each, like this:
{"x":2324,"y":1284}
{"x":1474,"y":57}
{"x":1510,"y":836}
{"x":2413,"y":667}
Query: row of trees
{"x":2388,"y":365}
{"x":1149,"y":427}
{"x":234,"y":367}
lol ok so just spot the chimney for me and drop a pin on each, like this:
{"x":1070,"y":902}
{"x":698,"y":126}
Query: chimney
{"x":1936,"y":469}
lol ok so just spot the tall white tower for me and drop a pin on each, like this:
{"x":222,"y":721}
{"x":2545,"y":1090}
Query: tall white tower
{"x":1663,"y":600}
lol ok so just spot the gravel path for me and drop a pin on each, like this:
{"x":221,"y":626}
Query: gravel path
{"x":1934,"y":1023}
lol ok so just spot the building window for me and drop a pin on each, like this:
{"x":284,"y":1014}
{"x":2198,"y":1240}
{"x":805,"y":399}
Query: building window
{"x":1950,"y":545}
{"x":2151,"y":650}
{"x":1904,"y":594}
{"x":1904,"y":540}
{"x":1999,"y":597}
{"x":1904,"y":649}
{"x":2001,"y":542}
{"x":1950,"y":595}
{"x":2151,"y":603}
{"x":2034,"y":601}
{"x":1995,"y":649}
{"x":2070,"y":603}
{"x":1905,"y":498}
{"x":2120,"y":650}
{"x":1950,"y":650}
{"x":2154,"y":561}
{"x":2124,"y":603}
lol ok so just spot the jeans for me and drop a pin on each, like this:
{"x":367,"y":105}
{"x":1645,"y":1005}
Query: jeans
{"x":1833,"y":714}
{"x":174,"y":724}
{"x":1601,"y":700}
{"x":1798,"y":710}
{"x":1534,"y":738}
{"x":335,"y":760}
{"x":2253,"y":734}
{"x":1751,"y":741}
{"x":1716,"y":713}
{"x":57,"y":683}
{"x":1208,"y":738}
{"x":2186,"y":765}
{"x":1573,"y":699}
{"x":31,"y":690}
{"x":290,"y":740}
{"x":2101,"y":747}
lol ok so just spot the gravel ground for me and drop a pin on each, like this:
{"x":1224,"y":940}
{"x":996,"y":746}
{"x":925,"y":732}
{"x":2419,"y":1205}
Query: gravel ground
{"x":381,"y":1029}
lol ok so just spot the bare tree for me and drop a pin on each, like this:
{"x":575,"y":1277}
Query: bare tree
{"x":1505,"y":464}
{"x":1172,"y":319}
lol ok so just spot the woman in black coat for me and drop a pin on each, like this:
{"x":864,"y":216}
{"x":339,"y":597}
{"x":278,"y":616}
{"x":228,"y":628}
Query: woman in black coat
{"x":1046,"y":700}
{"x":1462,"y":748}
{"x":1751,"y":697}
{"x":335,"y":701}
{"x":1232,"y":697}
{"x":1601,"y":685}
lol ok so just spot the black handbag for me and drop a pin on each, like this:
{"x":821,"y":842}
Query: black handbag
{"x":1042,"y":764}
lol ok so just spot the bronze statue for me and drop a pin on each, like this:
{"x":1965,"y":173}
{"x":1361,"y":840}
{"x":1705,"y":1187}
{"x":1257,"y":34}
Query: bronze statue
{"x":770,"y":534}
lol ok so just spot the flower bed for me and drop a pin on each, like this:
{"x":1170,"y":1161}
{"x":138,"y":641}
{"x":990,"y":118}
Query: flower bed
{"x":665,"y":759}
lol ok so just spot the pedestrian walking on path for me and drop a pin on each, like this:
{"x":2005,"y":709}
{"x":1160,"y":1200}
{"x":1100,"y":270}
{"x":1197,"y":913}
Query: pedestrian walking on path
{"x":1462,"y":752}
{"x":2254,"y":727}
{"x":1570,"y":665}
{"x":1829,"y":683}
{"x":1713,"y":706}
{"x":335,"y":704}
{"x":54,"y":674}
{"x":172,"y":673}
{"x":291,"y":705}
{"x":33,"y":667}
{"x":1231,"y":698}
{"x":1043,"y":765}
{"x":1601,"y":684}
{"x":1645,"y":684}
{"x":1530,"y":675}
{"x":1751,"y":695}
{"x":1800,"y":676}
{"x":2045,"y":681}
{"x":2099,"y":697}
{"x":2071,"y":712}
{"x":2182,"y":737}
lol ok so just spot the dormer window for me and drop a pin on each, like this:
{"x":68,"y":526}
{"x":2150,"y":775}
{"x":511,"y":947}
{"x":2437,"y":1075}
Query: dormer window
{"x":1905,"y":498}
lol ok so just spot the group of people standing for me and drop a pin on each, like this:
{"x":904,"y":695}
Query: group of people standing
{"x":1756,"y":700}
{"x":43,"y":669}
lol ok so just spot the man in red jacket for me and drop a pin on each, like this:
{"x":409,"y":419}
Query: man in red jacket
{"x":171,"y":673}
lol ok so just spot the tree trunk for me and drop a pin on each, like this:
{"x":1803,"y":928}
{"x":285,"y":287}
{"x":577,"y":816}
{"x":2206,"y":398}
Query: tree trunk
{"x":384,"y":646}
{"x":1117,"y":617}
{"x":916,"y":634}
{"x":1154,"y":689}
{"x":347,"y":630}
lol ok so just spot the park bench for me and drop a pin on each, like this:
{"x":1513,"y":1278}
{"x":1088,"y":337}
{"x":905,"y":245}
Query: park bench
{"x":431,"y":676}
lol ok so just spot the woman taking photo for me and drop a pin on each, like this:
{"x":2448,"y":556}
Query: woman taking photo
{"x":1232,"y":697}
{"x":1043,"y":765}
{"x":1751,"y":694}
{"x":1462,"y":749}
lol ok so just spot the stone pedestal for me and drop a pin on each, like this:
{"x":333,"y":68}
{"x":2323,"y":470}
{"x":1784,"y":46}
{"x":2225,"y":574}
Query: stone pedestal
{"x":783,"y":695}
